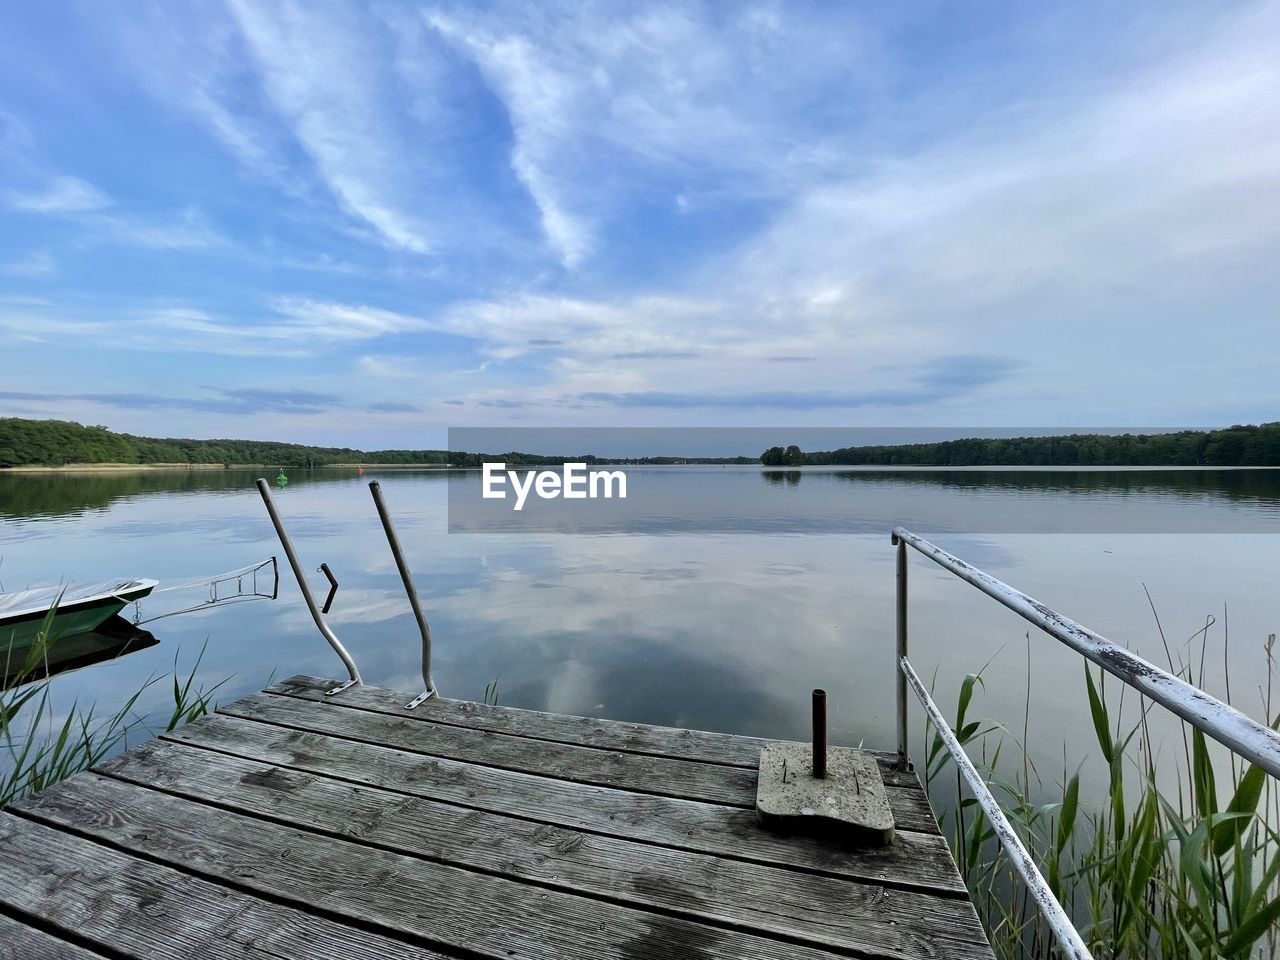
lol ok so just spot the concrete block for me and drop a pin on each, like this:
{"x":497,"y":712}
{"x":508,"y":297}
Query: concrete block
{"x":849,"y":803}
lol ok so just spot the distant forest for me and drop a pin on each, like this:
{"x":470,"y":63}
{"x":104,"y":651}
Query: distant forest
{"x":1238,"y":446}
{"x":56,"y":443}
{"x":60,"y":442}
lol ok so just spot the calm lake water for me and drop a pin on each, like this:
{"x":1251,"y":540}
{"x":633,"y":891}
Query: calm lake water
{"x":718,"y":600}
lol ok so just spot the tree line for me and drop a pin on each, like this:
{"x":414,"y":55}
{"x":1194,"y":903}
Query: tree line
{"x":44,"y":443}
{"x":60,"y":442}
{"x":791,"y":456}
{"x":1237,"y":446}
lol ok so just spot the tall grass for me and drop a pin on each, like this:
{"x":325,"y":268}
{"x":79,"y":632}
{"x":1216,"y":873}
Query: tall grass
{"x":1179,"y":859}
{"x":491,"y":692}
{"x":38,"y":748}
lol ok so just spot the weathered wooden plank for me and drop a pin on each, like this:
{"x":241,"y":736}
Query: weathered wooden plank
{"x":826,"y":912}
{"x":914,"y":859}
{"x":140,"y":909}
{"x":708,"y":746}
{"x":19,"y":941}
{"x":712,"y":783}
{"x":688,"y":780}
{"x":403,"y":895}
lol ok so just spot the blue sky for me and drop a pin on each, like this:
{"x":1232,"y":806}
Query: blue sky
{"x":364,"y":224}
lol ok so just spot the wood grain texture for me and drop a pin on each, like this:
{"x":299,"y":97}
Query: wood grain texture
{"x":396,"y":894}
{"x":690,"y":780}
{"x":144,"y":910}
{"x":295,"y":825}
{"x":920,"y":860}
{"x":824,"y":912}
{"x":18,"y":941}
{"x":687,"y":780}
{"x":702,"y":745}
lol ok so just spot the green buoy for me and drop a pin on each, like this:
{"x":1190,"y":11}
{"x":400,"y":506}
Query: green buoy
{"x":282,"y":479}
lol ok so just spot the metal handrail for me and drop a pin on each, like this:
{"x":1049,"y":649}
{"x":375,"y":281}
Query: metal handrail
{"x":1240,"y":734}
{"x":301,"y":577}
{"x":1243,"y":735}
{"x":1064,"y":930}
{"x":429,"y":685}
{"x":317,"y":612}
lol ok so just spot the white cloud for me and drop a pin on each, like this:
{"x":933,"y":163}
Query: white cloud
{"x":387,"y":368}
{"x":64,"y":195}
{"x":532,"y":323}
{"x":291,"y":328}
{"x":188,"y":231}
{"x":36,"y":265}
{"x":1152,"y":187}
{"x":328,"y":321}
{"x":321,"y":73}
{"x":602,"y":97}
{"x":195,"y":59}
{"x":79,"y":200}
{"x":734,"y":187}
{"x":303,"y":97}
{"x":1106,"y":216}
{"x":14,"y":134}
{"x":541,"y":102}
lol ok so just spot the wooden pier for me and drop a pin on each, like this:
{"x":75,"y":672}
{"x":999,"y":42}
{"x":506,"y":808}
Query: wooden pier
{"x":295,"y":825}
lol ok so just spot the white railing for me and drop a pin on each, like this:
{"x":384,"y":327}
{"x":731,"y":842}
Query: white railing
{"x":1237,"y":732}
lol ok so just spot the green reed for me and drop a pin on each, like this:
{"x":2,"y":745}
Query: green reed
{"x":491,"y":692}
{"x":1146,"y":871}
{"x":38,"y":748}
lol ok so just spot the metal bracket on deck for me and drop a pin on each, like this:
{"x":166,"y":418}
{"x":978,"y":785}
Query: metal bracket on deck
{"x":340,"y":687}
{"x":423,"y":697}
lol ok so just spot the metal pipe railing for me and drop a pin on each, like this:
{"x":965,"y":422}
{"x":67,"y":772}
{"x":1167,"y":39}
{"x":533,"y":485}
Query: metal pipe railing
{"x":429,"y":685}
{"x":1235,"y":731}
{"x":904,"y":759}
{"x":1063,"y":929}
{"x":301,"y":577}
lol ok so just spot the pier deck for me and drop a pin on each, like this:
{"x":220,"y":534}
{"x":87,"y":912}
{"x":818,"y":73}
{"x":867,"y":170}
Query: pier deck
{"x":294,"y":825}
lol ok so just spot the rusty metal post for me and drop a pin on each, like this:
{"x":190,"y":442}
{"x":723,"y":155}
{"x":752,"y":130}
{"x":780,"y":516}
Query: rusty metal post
{"x":819,"y":734}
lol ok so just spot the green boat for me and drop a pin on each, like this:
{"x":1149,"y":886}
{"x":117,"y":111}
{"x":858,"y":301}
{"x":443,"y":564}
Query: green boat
{"x":77,"y":608}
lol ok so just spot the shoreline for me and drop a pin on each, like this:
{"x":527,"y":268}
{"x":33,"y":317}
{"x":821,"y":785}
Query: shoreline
{"x":812,"y":468}
{"x":174,"y":467}
{"x":110,"y":467}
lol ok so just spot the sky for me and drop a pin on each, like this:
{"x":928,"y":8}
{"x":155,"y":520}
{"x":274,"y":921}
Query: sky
{"x":364,"y":224}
